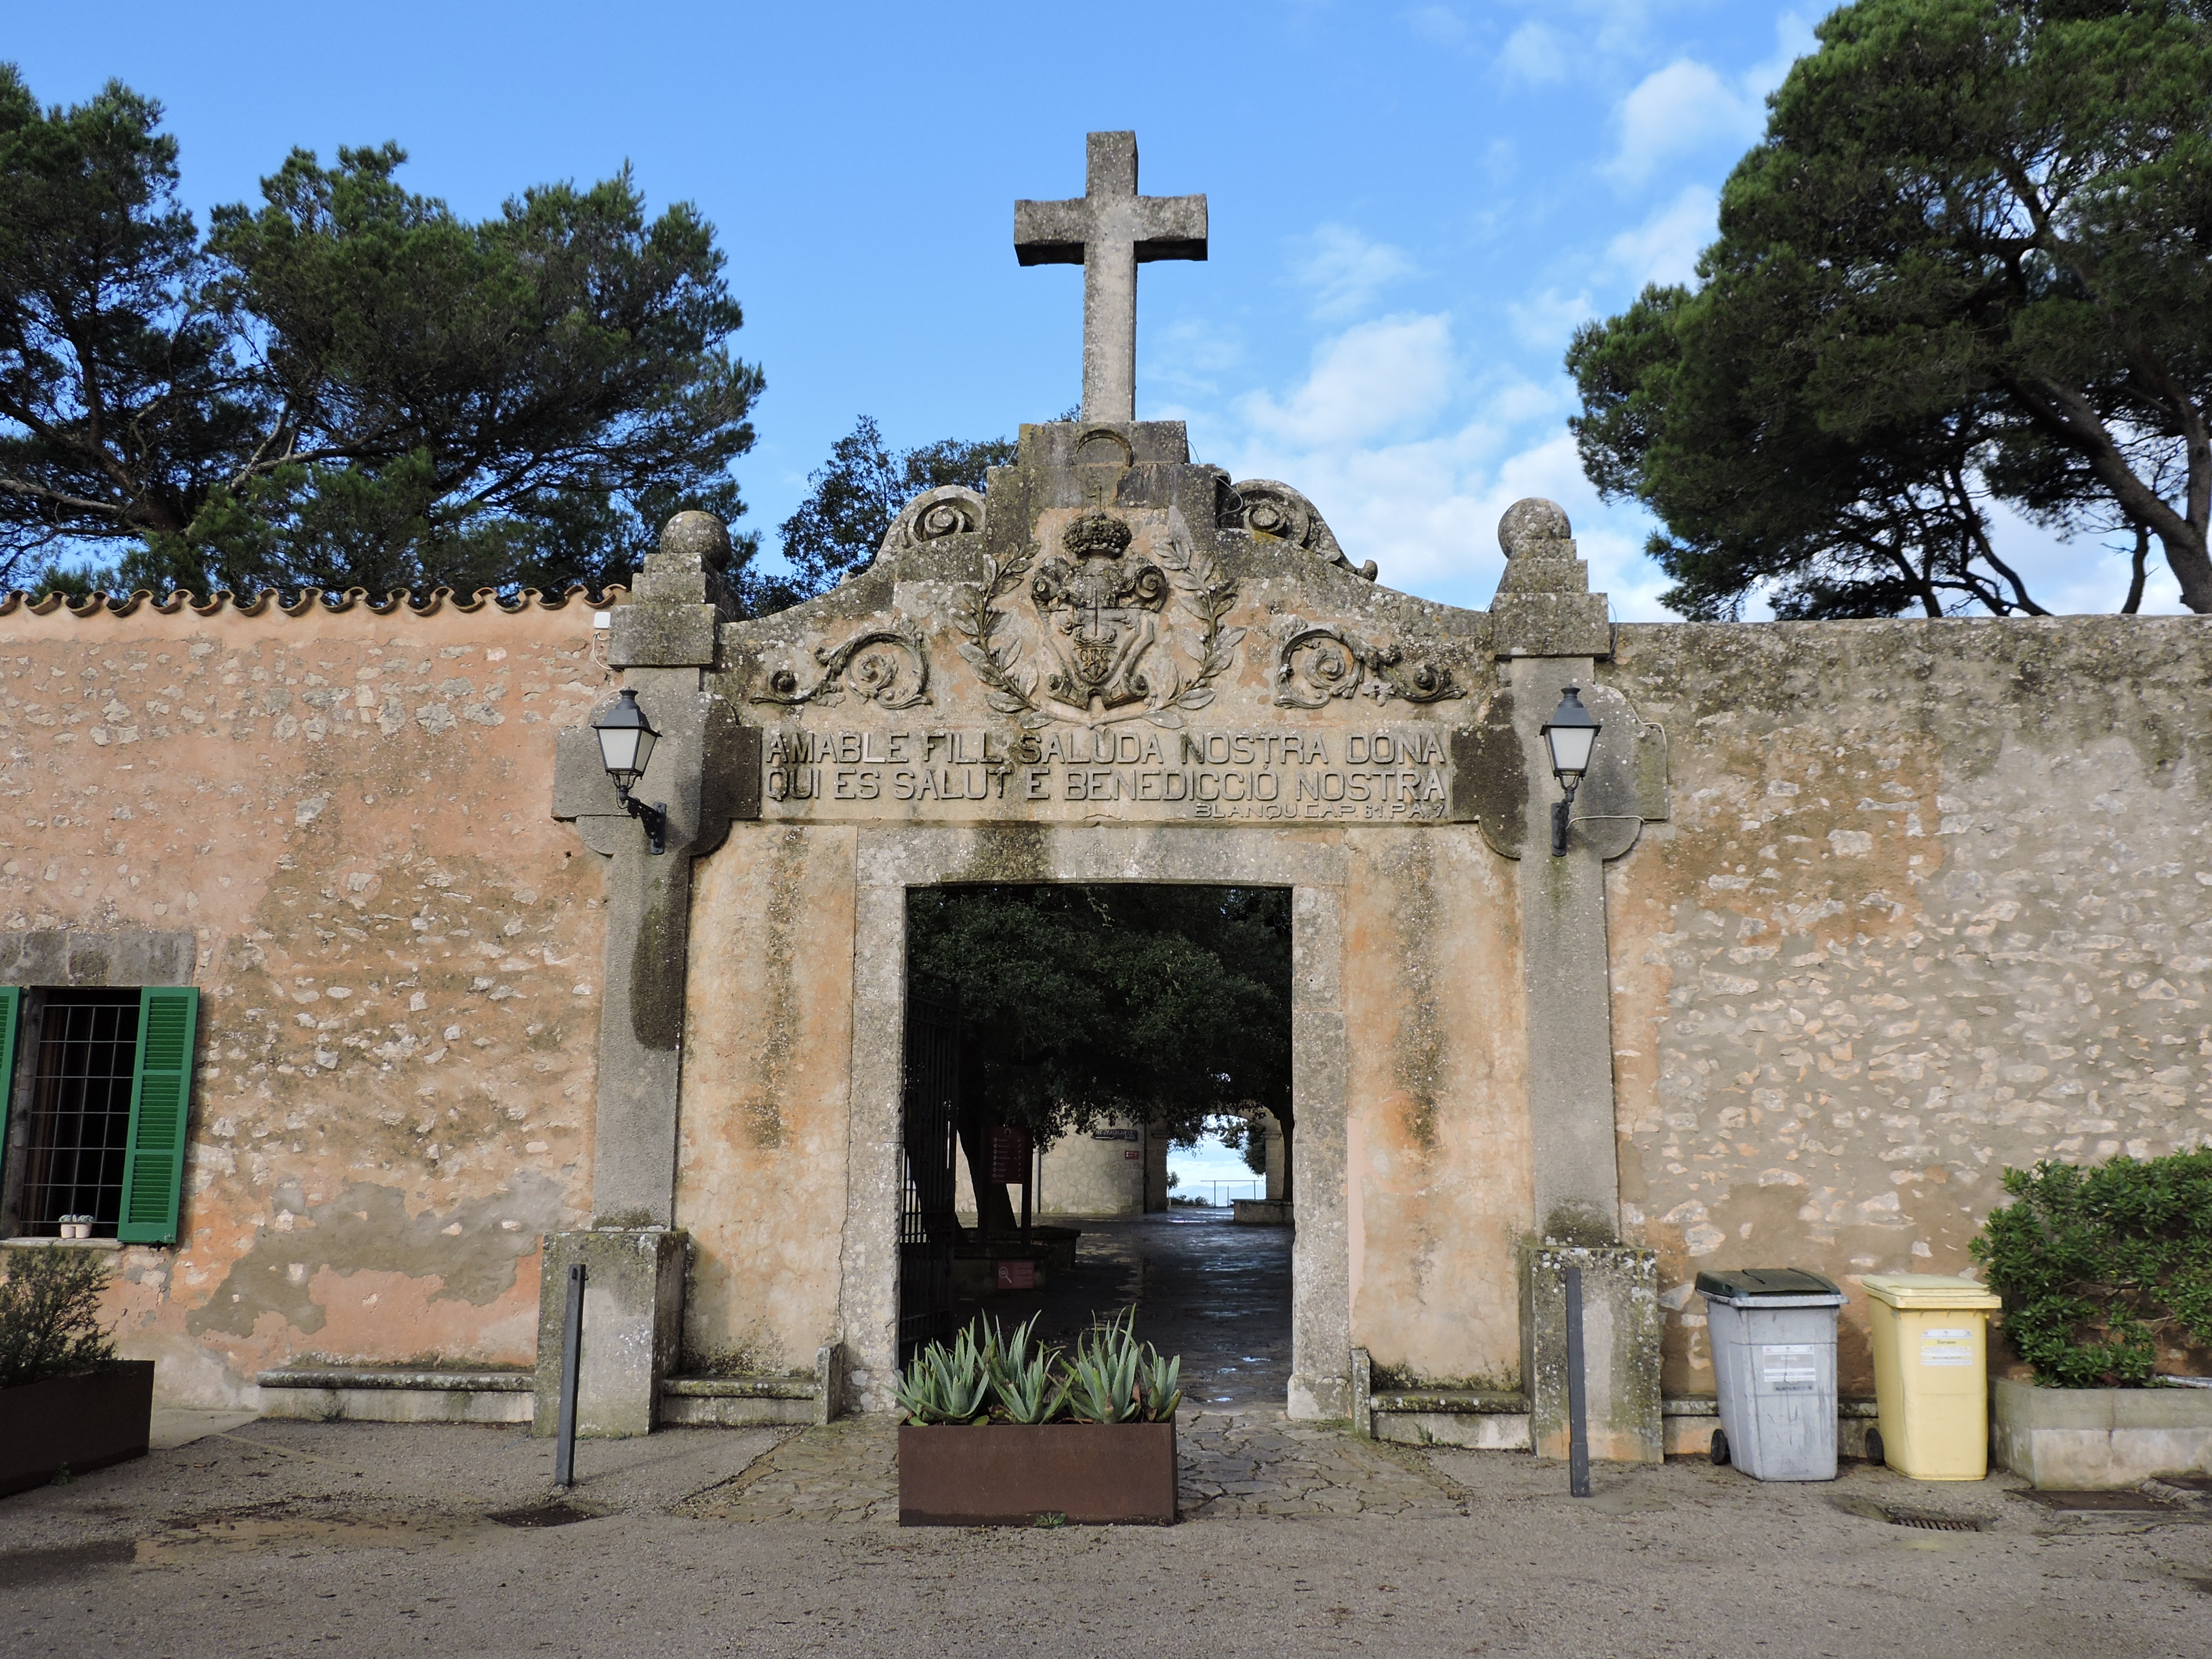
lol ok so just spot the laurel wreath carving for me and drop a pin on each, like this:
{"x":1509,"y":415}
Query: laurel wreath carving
{"x":867,"y":664}
{"x":1318,"y":661}
{"x":1013,"y":685}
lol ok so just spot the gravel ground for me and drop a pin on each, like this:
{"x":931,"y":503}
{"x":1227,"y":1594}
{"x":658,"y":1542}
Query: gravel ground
{"x":381,"y":1539}
{"x":286,"y":1538}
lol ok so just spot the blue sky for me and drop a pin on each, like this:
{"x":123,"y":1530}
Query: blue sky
{"x":1412,"y":207}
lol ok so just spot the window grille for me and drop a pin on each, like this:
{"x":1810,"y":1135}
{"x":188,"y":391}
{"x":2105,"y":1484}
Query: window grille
{"x":80,"y":1112}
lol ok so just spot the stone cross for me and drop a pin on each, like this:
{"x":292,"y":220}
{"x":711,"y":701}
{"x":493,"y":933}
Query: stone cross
{"x":1109,"y":231}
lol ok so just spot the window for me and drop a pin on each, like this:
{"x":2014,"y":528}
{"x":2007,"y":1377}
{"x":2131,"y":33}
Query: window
{"x":99,"y":1094}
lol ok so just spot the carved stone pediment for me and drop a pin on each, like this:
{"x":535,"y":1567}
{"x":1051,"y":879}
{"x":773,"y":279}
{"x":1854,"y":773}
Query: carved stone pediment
{"x":1110,"y":632}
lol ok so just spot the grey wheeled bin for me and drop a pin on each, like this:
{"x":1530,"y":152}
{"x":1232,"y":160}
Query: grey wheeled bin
{"x":1773,"y":1333}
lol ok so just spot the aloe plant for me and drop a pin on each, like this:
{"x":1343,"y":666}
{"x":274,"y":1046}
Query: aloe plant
{"x":947,"y":1385}
{"x":1022,"y":1375}
{"x":1104,"y":1382}
{"x":1160,"y":1381}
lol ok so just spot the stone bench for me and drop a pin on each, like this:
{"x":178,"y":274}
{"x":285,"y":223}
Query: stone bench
{"x":395,"y":1394}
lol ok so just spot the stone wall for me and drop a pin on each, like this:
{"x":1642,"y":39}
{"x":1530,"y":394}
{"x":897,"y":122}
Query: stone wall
{"x":1936,"y":899}
{"x":397,"y":950}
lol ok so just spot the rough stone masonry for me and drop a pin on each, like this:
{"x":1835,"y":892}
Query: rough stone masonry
{"x":1853,"y":917}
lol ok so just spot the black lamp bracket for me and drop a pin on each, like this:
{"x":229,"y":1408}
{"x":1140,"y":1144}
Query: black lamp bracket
{"x":1562,"y":815}
{"x":653,"y":817}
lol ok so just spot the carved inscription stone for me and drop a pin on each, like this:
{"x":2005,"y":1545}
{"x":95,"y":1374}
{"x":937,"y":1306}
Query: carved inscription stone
{"x":1393,"y":773}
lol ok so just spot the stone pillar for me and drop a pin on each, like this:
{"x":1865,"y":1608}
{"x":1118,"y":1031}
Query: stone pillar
{"x":1620,"y":1350}
{"x":704,"y":772}
{"x":632,"y":1327}
{"x":1550,"y":632}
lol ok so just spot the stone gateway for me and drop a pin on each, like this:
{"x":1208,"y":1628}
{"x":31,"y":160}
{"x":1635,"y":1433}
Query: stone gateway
{"x":1850,"y":917}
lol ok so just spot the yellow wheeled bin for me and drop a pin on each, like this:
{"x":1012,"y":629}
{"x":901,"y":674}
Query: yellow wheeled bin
{"x":1931,"y":1366}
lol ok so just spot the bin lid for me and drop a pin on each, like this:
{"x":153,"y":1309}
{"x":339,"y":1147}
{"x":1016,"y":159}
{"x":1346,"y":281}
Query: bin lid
{"x":1759,"y":1284}
{"x":1929,"y":1291}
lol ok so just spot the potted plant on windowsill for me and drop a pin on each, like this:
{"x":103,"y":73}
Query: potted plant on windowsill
{"x":2106,"y":1278}
{"x":1002,"y":1430}
{"x":67,"y":1404}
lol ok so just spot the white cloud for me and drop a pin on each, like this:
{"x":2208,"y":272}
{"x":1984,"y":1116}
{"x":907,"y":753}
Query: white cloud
{"x":1689,"y":106}
{"x":1346,"y":271}
{"x":1544,"y":321}
{"x":1412,"y":462}
{"x":1535,"y":53}
{"x":1369,"y":382}
{"x":1664,"y":248}
{"x":1678,"y":110}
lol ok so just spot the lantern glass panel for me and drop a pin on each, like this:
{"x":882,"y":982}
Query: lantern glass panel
{"x":1571,"y":748}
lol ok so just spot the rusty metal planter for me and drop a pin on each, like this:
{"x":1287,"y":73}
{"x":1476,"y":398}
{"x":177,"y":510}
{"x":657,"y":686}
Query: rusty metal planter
{"x":1006,"y":1474}
{"x":82,"y":1422}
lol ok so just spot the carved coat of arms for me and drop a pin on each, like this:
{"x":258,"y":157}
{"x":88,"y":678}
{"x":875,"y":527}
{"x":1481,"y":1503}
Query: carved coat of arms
{"x":1121,"y":620}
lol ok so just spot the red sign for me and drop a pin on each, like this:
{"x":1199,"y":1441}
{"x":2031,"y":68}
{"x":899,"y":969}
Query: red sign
{"x":1010,"y":1155}
{"x":1018,"y":1275}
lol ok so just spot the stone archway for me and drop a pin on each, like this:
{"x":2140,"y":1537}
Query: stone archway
{"x":1118,"y":667}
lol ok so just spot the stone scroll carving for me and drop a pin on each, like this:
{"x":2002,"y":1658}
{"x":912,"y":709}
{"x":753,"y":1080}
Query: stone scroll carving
{"x":948,"y":510}
{"x":888,"y":667}
{"x":1109,"y":627}
{"x":1265,"y":508}
{"x":1317,"y":661}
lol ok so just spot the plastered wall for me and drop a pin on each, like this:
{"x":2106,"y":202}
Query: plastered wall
{"x":397,"y":952}
{"x":1440,"y":1192}
{"x":1936,"y":899}
{"x":761,"y":1173}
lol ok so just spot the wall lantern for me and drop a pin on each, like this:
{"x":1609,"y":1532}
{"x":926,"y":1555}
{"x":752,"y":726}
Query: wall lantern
{"x":1570,"y":734}
{"x":626,"y":740}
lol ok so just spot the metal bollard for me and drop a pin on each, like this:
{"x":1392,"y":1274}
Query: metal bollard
{"x":1577,"y":1400}
{"x":571,"y":1344}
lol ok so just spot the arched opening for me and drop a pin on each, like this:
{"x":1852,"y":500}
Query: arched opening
{"x":1100,"y":1028}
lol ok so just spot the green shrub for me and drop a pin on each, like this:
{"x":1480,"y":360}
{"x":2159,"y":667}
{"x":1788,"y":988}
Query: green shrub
{"x":50,"y":1315}
{"x":2097,"y":1267}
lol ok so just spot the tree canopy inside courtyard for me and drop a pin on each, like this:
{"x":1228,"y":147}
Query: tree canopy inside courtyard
{"x":348,"y":384}
{"x":1161,"y":1004}
{"x":1969,"y":262}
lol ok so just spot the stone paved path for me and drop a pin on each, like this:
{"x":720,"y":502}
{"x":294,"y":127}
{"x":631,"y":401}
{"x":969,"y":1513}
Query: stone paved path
{"x":845,"y":1474}
{"x":1261,"y":1463}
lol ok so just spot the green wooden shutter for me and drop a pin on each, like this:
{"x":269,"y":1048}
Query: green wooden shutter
{"x":160,"y":1100}
{"x":11,"y":1011}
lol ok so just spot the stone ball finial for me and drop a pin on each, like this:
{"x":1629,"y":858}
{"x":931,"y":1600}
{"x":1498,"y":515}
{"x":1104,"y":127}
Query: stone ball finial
{"x":696,"y":536}
{"x":1530,"y":521}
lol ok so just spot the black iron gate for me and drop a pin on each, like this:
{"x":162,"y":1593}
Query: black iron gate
{"x":928,"y":1226}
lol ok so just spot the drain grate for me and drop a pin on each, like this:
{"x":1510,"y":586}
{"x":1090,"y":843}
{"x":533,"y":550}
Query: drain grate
{"x":1928,"y":1522}
{"x":543,"y":1515}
